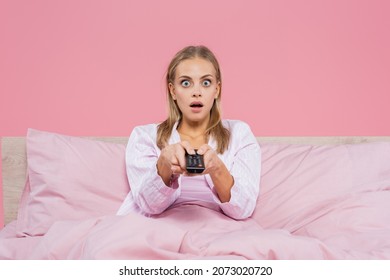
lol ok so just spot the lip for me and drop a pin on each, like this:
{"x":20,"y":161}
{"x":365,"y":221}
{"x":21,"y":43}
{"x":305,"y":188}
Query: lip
{"x":196,"y":103}
{"x":196,"y":109}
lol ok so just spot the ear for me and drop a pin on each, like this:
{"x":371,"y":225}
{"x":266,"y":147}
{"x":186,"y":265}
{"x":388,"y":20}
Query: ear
{"x":218,"y":90}
{"x":172,"y":91}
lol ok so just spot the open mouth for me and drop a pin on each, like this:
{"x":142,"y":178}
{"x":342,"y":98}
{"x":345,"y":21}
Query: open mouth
{"x":196,"y":105}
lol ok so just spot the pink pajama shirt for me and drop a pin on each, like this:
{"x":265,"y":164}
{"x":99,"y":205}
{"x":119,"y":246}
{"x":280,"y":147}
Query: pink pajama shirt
{"x":149,"y":195}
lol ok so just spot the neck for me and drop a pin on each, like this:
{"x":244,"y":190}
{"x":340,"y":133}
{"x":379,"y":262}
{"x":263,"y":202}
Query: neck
{"x":193,"y":129}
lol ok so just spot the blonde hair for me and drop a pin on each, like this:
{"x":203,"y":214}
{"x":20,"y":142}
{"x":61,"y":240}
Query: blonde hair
{"x":215,"y":127}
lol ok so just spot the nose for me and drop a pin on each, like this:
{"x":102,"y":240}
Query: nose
{"x":197,"y":91}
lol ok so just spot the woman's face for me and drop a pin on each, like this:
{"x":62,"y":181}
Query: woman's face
{"x":195,"y":87}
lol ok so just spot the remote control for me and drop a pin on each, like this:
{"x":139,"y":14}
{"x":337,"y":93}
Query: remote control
{"x":194,"y":163}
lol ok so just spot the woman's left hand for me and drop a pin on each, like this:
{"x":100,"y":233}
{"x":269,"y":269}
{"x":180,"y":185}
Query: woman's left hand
{"x":211,"y":160}
{"x":220,"y":175}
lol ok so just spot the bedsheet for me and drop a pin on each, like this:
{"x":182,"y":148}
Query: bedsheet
{"x":192,"y":231}
{"x":315,"y":202}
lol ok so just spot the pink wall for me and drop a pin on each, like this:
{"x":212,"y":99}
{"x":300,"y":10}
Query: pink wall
{"x":289,"y":67}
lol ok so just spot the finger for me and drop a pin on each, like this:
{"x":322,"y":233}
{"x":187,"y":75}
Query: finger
{"x":206,"y":158}
{"x":203,"y":149}
{"x":181,"y":163}
{"x":177,"y":169}
{"x":180,"y":156}
{"x":187,"y":146}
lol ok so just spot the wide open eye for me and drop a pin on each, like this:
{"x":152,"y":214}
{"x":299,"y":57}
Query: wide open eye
{"x":185,"y":83}
{"x":206,"y":83}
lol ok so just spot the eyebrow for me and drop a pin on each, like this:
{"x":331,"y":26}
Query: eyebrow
{"x":188,"y":77}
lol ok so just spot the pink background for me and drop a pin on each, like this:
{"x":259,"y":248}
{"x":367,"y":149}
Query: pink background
{"x":290,"y":68}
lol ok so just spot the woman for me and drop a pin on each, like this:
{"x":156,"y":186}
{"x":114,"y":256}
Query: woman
{"x":155,"y":154}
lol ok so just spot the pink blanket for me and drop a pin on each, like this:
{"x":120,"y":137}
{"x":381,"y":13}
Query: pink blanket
{"x":195,"y":232}
{"x":326,"y":202}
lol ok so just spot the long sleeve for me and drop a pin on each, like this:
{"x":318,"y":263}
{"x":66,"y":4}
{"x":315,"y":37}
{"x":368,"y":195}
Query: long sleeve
{"x":148,"y":190}
{"x":244,"y":163}
{"x":149,"y":195}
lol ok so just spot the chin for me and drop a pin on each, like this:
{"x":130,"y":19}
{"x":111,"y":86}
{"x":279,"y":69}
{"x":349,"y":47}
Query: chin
{"x":196,"y":118}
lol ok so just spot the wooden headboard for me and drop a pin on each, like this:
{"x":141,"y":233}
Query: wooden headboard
{"x":14,"y":163}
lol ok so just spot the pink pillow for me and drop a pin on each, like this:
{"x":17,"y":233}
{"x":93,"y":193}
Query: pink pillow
{"x":69,"y":178}
{"x":301,"y":183}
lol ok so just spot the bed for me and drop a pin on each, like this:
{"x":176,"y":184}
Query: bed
{"x":320,"y":198}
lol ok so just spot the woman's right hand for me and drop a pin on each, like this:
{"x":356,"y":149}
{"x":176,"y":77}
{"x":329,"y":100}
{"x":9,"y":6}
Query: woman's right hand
{"x":172,"y":160}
